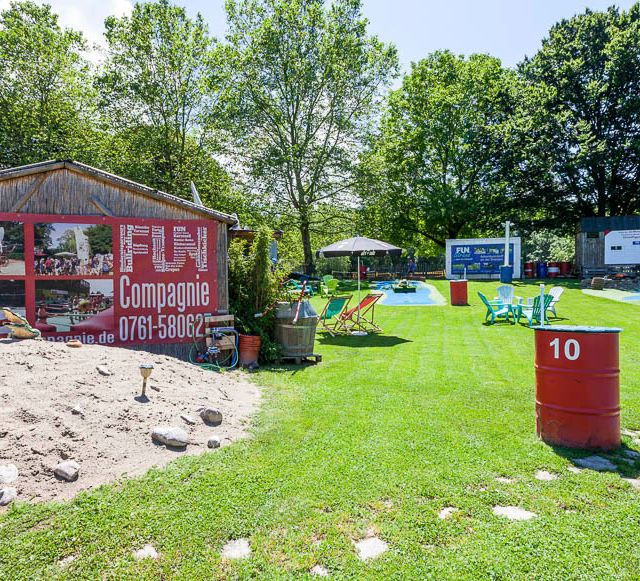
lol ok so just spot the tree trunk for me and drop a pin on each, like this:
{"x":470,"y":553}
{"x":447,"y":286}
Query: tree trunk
{"x":305,"y":233}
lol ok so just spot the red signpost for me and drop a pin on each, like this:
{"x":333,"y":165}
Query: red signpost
{"x":117,"y":281}
{"x":578,"y":387}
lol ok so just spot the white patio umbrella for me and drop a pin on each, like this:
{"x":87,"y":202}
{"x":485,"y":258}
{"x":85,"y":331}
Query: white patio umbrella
{"x":359,"y":246}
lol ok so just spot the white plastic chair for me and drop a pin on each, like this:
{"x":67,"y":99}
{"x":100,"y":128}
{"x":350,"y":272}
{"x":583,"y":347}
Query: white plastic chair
{"x":555,"y":292}
{"x":506,"y":294}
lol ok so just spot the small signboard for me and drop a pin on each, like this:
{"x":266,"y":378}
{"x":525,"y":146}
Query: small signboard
{"x":622,"y":247}
{"x":480,"y":257}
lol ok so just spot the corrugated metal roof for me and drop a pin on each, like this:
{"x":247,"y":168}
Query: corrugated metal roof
{"x":82,"y":168}
{"x":600,"y":224}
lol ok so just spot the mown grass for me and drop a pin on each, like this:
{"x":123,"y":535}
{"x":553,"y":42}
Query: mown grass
{"x":379,"y":437}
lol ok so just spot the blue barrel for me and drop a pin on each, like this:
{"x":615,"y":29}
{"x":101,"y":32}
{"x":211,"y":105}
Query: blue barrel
{"x":506,"y":274}
{"x":541,"y":270}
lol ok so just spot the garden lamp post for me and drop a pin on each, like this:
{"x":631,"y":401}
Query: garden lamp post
{"x":145,"y":371}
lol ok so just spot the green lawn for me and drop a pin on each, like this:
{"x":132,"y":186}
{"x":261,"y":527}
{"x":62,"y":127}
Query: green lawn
{"x":379,"y":437}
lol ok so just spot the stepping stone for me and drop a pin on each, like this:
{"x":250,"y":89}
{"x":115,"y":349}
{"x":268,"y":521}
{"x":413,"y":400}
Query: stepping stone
{"x":505,"y":480}
{"x":238,"y":549}
{"x":69,"y":470}
{"x":171,"y":436}
{"x":147,"y":552}
{"x":319,"y":571}
{"x":513,"y":512}
{"x":370,"y":548}
{"x":446,"y":512}
{"x":596,"y":463}
{"x":544,"y":475}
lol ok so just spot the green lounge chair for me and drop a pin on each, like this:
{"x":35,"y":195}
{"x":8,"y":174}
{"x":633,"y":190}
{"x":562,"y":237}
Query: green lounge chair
{"x":495,"y":310}
{"x":532,"y":313}
{"x":334,"y":308}
{"x":295,"y":285}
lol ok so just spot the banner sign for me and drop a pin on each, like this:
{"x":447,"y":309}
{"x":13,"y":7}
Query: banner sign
{"x":622,"y":247}
{"x":480,"y":257}
{"x":109,"y":280}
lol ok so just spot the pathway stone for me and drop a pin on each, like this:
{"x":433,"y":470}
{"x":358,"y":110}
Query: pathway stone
{"x":147,"y":552}
{"x":7,"y":495}
{"x":238,"y":549}
{"x":544,"y":475}
{"x":69,"y":470}
{"x":446,"y":512}
{"x":513,"y":512}
{"x":596,"y":463}
{"x":319,"y":571}
{"x":370,"y":548}
{"x":171,"y":436}
{"x":8,"y":473}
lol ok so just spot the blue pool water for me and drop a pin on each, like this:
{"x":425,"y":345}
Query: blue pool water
{"x":635,"y":297}
{"x":424,"y":295}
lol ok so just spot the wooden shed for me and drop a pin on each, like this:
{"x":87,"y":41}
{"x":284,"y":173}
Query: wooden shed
{"x":98,"y":257}
{"x":590,"y":241}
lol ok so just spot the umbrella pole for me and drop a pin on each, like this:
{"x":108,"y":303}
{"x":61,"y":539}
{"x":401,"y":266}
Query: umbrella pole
{"x":358,"y":291}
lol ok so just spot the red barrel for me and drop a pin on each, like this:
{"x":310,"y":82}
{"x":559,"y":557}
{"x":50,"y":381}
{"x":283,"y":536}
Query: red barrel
{"x":578,"y":387}
{"x":458,"y":292}
{"x":553,"y":269}
{"x":565,"y":268}
{"x":529,"y":269}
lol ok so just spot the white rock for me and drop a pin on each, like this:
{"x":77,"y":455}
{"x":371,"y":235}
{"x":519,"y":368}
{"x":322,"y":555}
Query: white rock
{"x":544,"y":475}
{"x":8,"y":473}
{"x":171,"y":436}
{"x":77,"y":411}
{"x":7,"y":495}
{"x":69,"y":470}
{"x":147,"y":552}
{"x":213,"y":442}
{"x":633,"y":481}
{"x":188,"y":419}
{"x":238,"y":549}
{"x":319,"y":571}
{"x":595,"y":463}
{"x":513,"y":512}
{"x":211,"y":416}
{"x":370,"y":548}
{"x":446,"y":512}
{"x":103,"y":370}
{"x":66,"y":561}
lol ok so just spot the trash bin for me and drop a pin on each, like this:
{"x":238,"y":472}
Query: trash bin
{"x":506,"y":274}
{"x":458,"y":292}
{"x":578,"y":386}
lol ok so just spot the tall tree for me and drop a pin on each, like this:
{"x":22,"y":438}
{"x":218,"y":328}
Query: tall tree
{"x":46,"y":101}
{"x":158,"y":87}
{"x":304,"y":79}
{"x":583,"y":120}
{"x":434,"y":170}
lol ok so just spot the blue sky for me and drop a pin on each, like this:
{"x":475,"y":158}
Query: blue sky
{"x":508,"y":29}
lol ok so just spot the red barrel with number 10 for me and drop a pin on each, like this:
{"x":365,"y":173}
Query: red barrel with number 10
{"x":578,"y":386}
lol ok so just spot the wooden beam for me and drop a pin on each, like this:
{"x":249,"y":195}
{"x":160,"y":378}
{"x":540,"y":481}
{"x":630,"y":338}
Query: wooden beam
{"x":98,"y":203}
{"x":34,"y":188}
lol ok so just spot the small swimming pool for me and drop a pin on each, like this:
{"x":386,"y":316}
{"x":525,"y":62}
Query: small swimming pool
{"x":425,"y":295}
{"x":634,"y":297}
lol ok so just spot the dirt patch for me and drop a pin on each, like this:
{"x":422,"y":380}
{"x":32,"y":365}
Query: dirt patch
{"x":55,"y":405}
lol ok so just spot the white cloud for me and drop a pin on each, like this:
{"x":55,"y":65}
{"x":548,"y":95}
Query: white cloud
{"x":85,"y":15}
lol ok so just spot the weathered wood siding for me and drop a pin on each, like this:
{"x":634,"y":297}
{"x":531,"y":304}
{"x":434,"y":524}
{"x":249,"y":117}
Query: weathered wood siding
{"x":589,"y":251}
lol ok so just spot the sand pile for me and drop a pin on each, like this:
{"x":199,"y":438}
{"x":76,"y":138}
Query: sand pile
{"x":56,"y":406}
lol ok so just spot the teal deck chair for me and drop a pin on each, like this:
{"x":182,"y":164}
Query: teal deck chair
{"x":495,"y":311}
{"x":333,"y":310}
{"x":533,"y":313}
